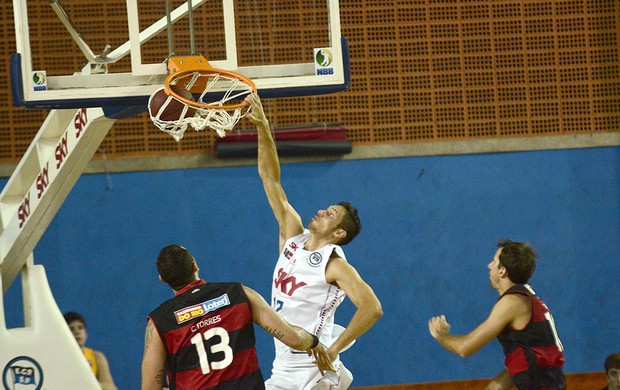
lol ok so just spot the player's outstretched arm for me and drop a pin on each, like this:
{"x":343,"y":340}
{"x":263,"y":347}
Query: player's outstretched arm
{"x":504,"y":313}
{"x":342,"y":274}
{"x":269,"y":172}
{"x":291,"y":335}
{"x":153,"y":359}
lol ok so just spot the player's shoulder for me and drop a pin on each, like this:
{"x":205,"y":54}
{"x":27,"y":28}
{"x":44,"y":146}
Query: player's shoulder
{"x":513,"y":298}
{"x":513,"y":303}
{"x":334,"y":256}
{"x":338,"y":266}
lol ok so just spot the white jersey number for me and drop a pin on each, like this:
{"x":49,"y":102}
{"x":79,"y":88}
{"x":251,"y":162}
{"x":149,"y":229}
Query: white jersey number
{"x":558,"y":343}
{"x":222,"y":346}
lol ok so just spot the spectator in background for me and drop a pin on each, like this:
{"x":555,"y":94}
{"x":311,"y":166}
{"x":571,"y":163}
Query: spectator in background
{"x":97,"y":360}
{"x":612,"y":371}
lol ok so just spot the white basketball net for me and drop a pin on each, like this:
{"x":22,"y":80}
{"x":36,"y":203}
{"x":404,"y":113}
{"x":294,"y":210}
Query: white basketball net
{"x":227,"y":89}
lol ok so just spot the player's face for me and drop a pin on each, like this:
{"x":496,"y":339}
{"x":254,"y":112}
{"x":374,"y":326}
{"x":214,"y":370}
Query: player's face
{"x":613,"y":377}
{"x":326,"y":221}
{"x":494,"y":267}
{"x":79,"y":332}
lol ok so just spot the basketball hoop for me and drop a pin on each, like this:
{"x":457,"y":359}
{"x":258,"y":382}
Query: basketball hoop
{"x":219,"y":98}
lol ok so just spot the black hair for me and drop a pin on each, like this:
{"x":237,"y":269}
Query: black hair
{"x":175,"y":265}
{"x":519,"y":259}
{"x":71,"y":316}
{"x":612,"y":361}
{"x":350,"y":223}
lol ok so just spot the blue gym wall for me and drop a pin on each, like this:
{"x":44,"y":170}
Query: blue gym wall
{"x":430,"y":225}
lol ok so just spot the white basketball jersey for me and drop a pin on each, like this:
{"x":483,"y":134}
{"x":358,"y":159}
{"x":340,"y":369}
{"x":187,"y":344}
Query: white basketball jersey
{"x":300,"y":293}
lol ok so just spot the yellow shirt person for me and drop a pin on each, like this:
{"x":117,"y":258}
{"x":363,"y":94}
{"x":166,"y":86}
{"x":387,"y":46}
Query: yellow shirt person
{"x":96,"y":359}
{"x":89,"y":354}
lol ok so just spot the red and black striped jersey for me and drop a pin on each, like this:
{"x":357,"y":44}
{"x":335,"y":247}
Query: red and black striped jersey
{"x":534,"y":354}
{"x":208,"y":335}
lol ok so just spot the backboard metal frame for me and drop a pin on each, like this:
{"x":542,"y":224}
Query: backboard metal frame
{"x":32,"y":88}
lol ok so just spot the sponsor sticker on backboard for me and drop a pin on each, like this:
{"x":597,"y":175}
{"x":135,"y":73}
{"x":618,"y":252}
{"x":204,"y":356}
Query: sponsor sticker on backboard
{"x":323,"y":61}
{"x":39,"y":80}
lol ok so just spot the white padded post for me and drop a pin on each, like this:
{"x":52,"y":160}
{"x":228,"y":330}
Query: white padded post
{"x":43,"y":354}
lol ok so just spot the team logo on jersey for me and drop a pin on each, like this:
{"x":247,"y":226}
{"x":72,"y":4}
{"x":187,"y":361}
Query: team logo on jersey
{"x":287,"y":283}
{"x":314,"y":260}
{"x":199,"y":310}
{"x":288,"y":254}
{"x":21,"y":371}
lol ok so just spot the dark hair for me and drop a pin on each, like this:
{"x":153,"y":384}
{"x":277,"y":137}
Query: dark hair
{"x":175,"y":266}
{"x":612,"y":361}
{"x":350,"y":223}
{"x":519,"y":258}
{"x":71,"y":316}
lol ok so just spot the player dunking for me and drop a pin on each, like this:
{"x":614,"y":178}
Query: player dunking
{"x":312,"y":275}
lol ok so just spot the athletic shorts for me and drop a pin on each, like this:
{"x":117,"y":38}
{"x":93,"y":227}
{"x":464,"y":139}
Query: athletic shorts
{"x":297,"y":372}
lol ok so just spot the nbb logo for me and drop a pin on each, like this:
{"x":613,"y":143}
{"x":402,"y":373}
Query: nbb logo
{"x":323,"y":59}
{"x":199,"y":310}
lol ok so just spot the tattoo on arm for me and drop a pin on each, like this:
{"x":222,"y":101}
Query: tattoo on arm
{"x":274,"y":332}
{"x":148,"y":335}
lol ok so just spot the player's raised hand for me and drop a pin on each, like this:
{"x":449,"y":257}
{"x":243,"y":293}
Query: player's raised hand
{"x":438,"y":326}
{"x":256,"y":115}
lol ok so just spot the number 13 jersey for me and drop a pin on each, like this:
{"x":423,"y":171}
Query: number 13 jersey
{"x":208,"y":334}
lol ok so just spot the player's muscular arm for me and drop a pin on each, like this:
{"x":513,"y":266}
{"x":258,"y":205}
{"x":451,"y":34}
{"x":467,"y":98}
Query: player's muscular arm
{"x":269,"y":172}
{"x":343,"y":275}
{"x":293,"y":336}
{"x":505,"y":312}
{"x":153,"y":360}
{"x":265,"y":317}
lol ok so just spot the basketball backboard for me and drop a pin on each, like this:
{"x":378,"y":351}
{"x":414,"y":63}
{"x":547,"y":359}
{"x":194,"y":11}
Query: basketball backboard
{"x":57,"y":65}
